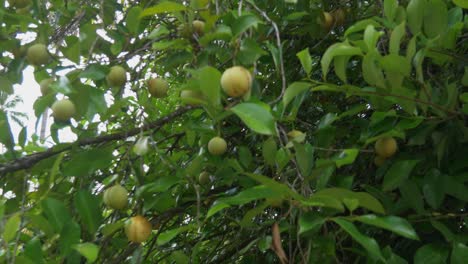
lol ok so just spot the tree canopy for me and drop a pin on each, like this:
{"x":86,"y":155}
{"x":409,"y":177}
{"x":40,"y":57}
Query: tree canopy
{"x":208,"y":131}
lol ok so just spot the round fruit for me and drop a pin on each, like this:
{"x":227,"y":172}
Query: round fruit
{"x":63,"y":110}
{"x":45,"y":86}
{"x":296,"y":135}
{"x":117,"y":76}
{"x":236,"y":81}
{"x":37,"y":54}
{"x":386,"y":147}
{"x":157,"y":87}
{"x":339,"y":16}
{"x":379,"y":160}
{"x":138,"y":229}
{"x":217,"y":146}
{"x":204,"y":178}
{"x":327,"y":20}
{"x":199,"y":27}
{"x":191,"y":97}
{"x":116,"y":197}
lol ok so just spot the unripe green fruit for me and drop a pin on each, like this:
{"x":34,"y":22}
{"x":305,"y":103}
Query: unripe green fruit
{"x":63,"y":110}
{"x":199,"y":27}
{"x":204,"y":178}
{"x":217,"y":146}
{"x":379,"y":160}
{"x":116,"y":197}
{"x":117,"y":76}
{"x":45,"y":86}
{"x":37,"y":54}
{"x":236,"y":81}
{"x":138,"y":229}
{"x":157,"y":87}
{"x":191,"y":97}
{"x":297,"y":136}
{"x":386,"y":147}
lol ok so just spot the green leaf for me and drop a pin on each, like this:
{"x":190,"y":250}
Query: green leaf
{"x":365,"y":200}
{"x":93,"y":158}
{"x":294,"y":90}
{"x":6,"y":137}
{"x":310,"y":222}
{"x":390,"y":9}
{"x":346,"y":157}
{"x":56,"y":213}
{"x":415,"y":15}
{"x":87,"y":206}
{"x":398,"y":173}
{"x":251,"y":194}
{"x":11,"y":227}
{"x":133,"y":19}
{"x":6,"y":85}
{"x":216,"y":207}
{"x":361,"y":25}
{"x":395,"y":64}
{"x":392,"y":223}
{"x":278,"y":188}
{"x":304,"y":157}
{"x":340,"y":63}
{"x":72,"y":50}
{"x":461,"y":3}
{"x":395,"y":39}
{"x":269,"y":150}
{"x":306,"y":60}
{"x":434,"y":188}
{"x":93,"y":72}
{"x":33,"y":250}
{"x":412,"y":195}
{"x":168,"y":235}
{"x":243,"y":23}
{"x":163,"y":7}
{"x":338,"y":49}
{"x":69,"y":236}
{"x":256,"y":117}
{"x":455,"y":188}
{"x":88,"y":250}
{"x":368,"y":243}
{"x":431,"y":254}
{"x":209,"y":80}
{"x":435,"y":18}
{"x":459,"y":251}
{"x":250,"y":214}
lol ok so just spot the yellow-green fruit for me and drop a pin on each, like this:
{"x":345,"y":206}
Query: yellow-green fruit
{"x":339,"y":17}
{"x":386,"y":147}
{"x":327,"y":20}
{"x":236,"y":81}
{"x":191,"y":97}
{"x":296,"y":135}
{"x":204,"y":178}
{"x":45,"y":86}
{"x":379,"y":160}
{"x":37,"y":54}
{"x":117,"y":76}
{"x":199,"y":27}
{"x":217,"y":146}
{"x":116,"y":197}
{"x":157,"y":87}
{"x":63,"y":110}
{"x":19,"y":3}
{"x":138,"y":229}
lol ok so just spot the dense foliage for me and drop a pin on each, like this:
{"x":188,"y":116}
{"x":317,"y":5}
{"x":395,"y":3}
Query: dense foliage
{"x":343,"y":139}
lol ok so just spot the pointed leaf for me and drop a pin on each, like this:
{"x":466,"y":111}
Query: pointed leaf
{"x":393,"y":223}
{"x":256,"y":117}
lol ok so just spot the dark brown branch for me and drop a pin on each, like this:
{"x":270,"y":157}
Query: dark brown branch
{"x":29,"y":160}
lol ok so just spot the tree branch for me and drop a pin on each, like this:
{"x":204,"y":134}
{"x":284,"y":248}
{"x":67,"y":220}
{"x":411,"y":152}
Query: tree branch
{"x":29,"y":160}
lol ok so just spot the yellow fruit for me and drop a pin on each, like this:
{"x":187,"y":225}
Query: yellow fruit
{"x":117,"y":76}
{"x":37,"y":54}
{"x":63,"y":110}
{"x":204,"y":178}
{"x":45,"y":86}
{"x":157,"y":87}
{"x":199,"y":27}
{"x":190,"y":97}
{"x":217,"y":146}
{"x":327,"y":21}
{"x":379,"y":160}
{"x":339,"y":17}
{"x":236,"y":81}
{"x":386,"y":147}
{"x":296,"y":135}
{"x":116,"y":197}
{"x":138,"y":229}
